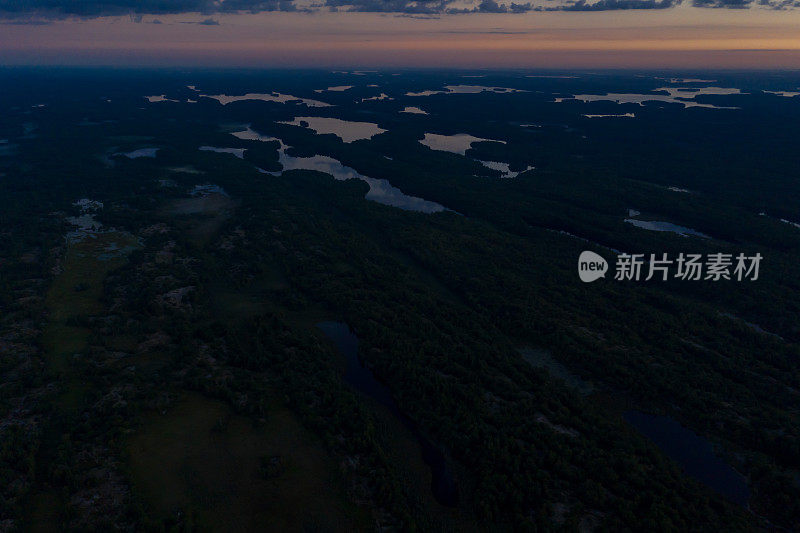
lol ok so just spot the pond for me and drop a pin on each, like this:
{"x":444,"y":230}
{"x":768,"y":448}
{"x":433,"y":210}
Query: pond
{"x":693,"y":453}
{"x":361,"y":379}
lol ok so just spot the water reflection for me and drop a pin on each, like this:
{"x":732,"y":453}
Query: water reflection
{"x":676,"y":95}
{"x":467,"y":89}
{"x":623,"y":115}
{"x":686,"y":80}
{"x":382,"y":96}
{"x":785,"y":94}
{"x":238,"y":152}
{"x":159,"y":98}
{"x":380,"y":190}
{"x":348,"y":131}
{"x":503,"y":168}
{"x":653,"y":225}
{"x":457,"y":144}
{"x":335,"y":89}
{"x":225,"y":99}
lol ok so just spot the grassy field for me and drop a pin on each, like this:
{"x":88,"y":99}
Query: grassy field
{"x":76,"y":293}
{"x":223,"y":472}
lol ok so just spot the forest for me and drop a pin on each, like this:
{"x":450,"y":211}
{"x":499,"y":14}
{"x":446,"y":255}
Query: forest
{"x":162,"y":365}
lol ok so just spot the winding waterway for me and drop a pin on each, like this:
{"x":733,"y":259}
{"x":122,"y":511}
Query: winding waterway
{"x":443,"y":484}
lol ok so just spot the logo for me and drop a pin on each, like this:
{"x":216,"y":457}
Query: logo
{"x":660,"y":267}
{"x":591,"y":266}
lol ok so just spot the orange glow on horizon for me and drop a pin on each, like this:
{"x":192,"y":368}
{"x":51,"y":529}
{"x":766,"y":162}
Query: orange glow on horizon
{"x":675,"y":38}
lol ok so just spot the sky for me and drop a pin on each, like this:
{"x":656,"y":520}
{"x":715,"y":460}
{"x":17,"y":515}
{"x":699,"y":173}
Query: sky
{"x":551,"y":34}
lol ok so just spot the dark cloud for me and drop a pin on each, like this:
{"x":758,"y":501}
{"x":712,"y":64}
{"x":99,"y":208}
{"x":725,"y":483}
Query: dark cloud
{"x":252,"y":6}
{"x":491,"y":6}
{"x":419,"y":7}
{"x":781,"y":4}
{"x":730,"y":4}
{"x":25,"y":10}
{"x":90,"y":8}
{"x":209,"y":22}
{"x":608,"y":5}
{"x":520,"y":8}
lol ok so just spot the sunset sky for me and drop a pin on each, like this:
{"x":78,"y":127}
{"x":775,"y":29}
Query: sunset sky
{"x":377,"y":33}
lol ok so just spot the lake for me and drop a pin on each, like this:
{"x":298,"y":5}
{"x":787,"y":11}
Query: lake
{"x":380,"y":190}
{"x":675,"y":95}
{"x":457,"y":144}
{"x":238,"y":152}
{"x":467,"y":89}
{"x":225,"y":99}
{"x":503,"y":168}
{"x":654,"y":225}
{"x":347,"y":130}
